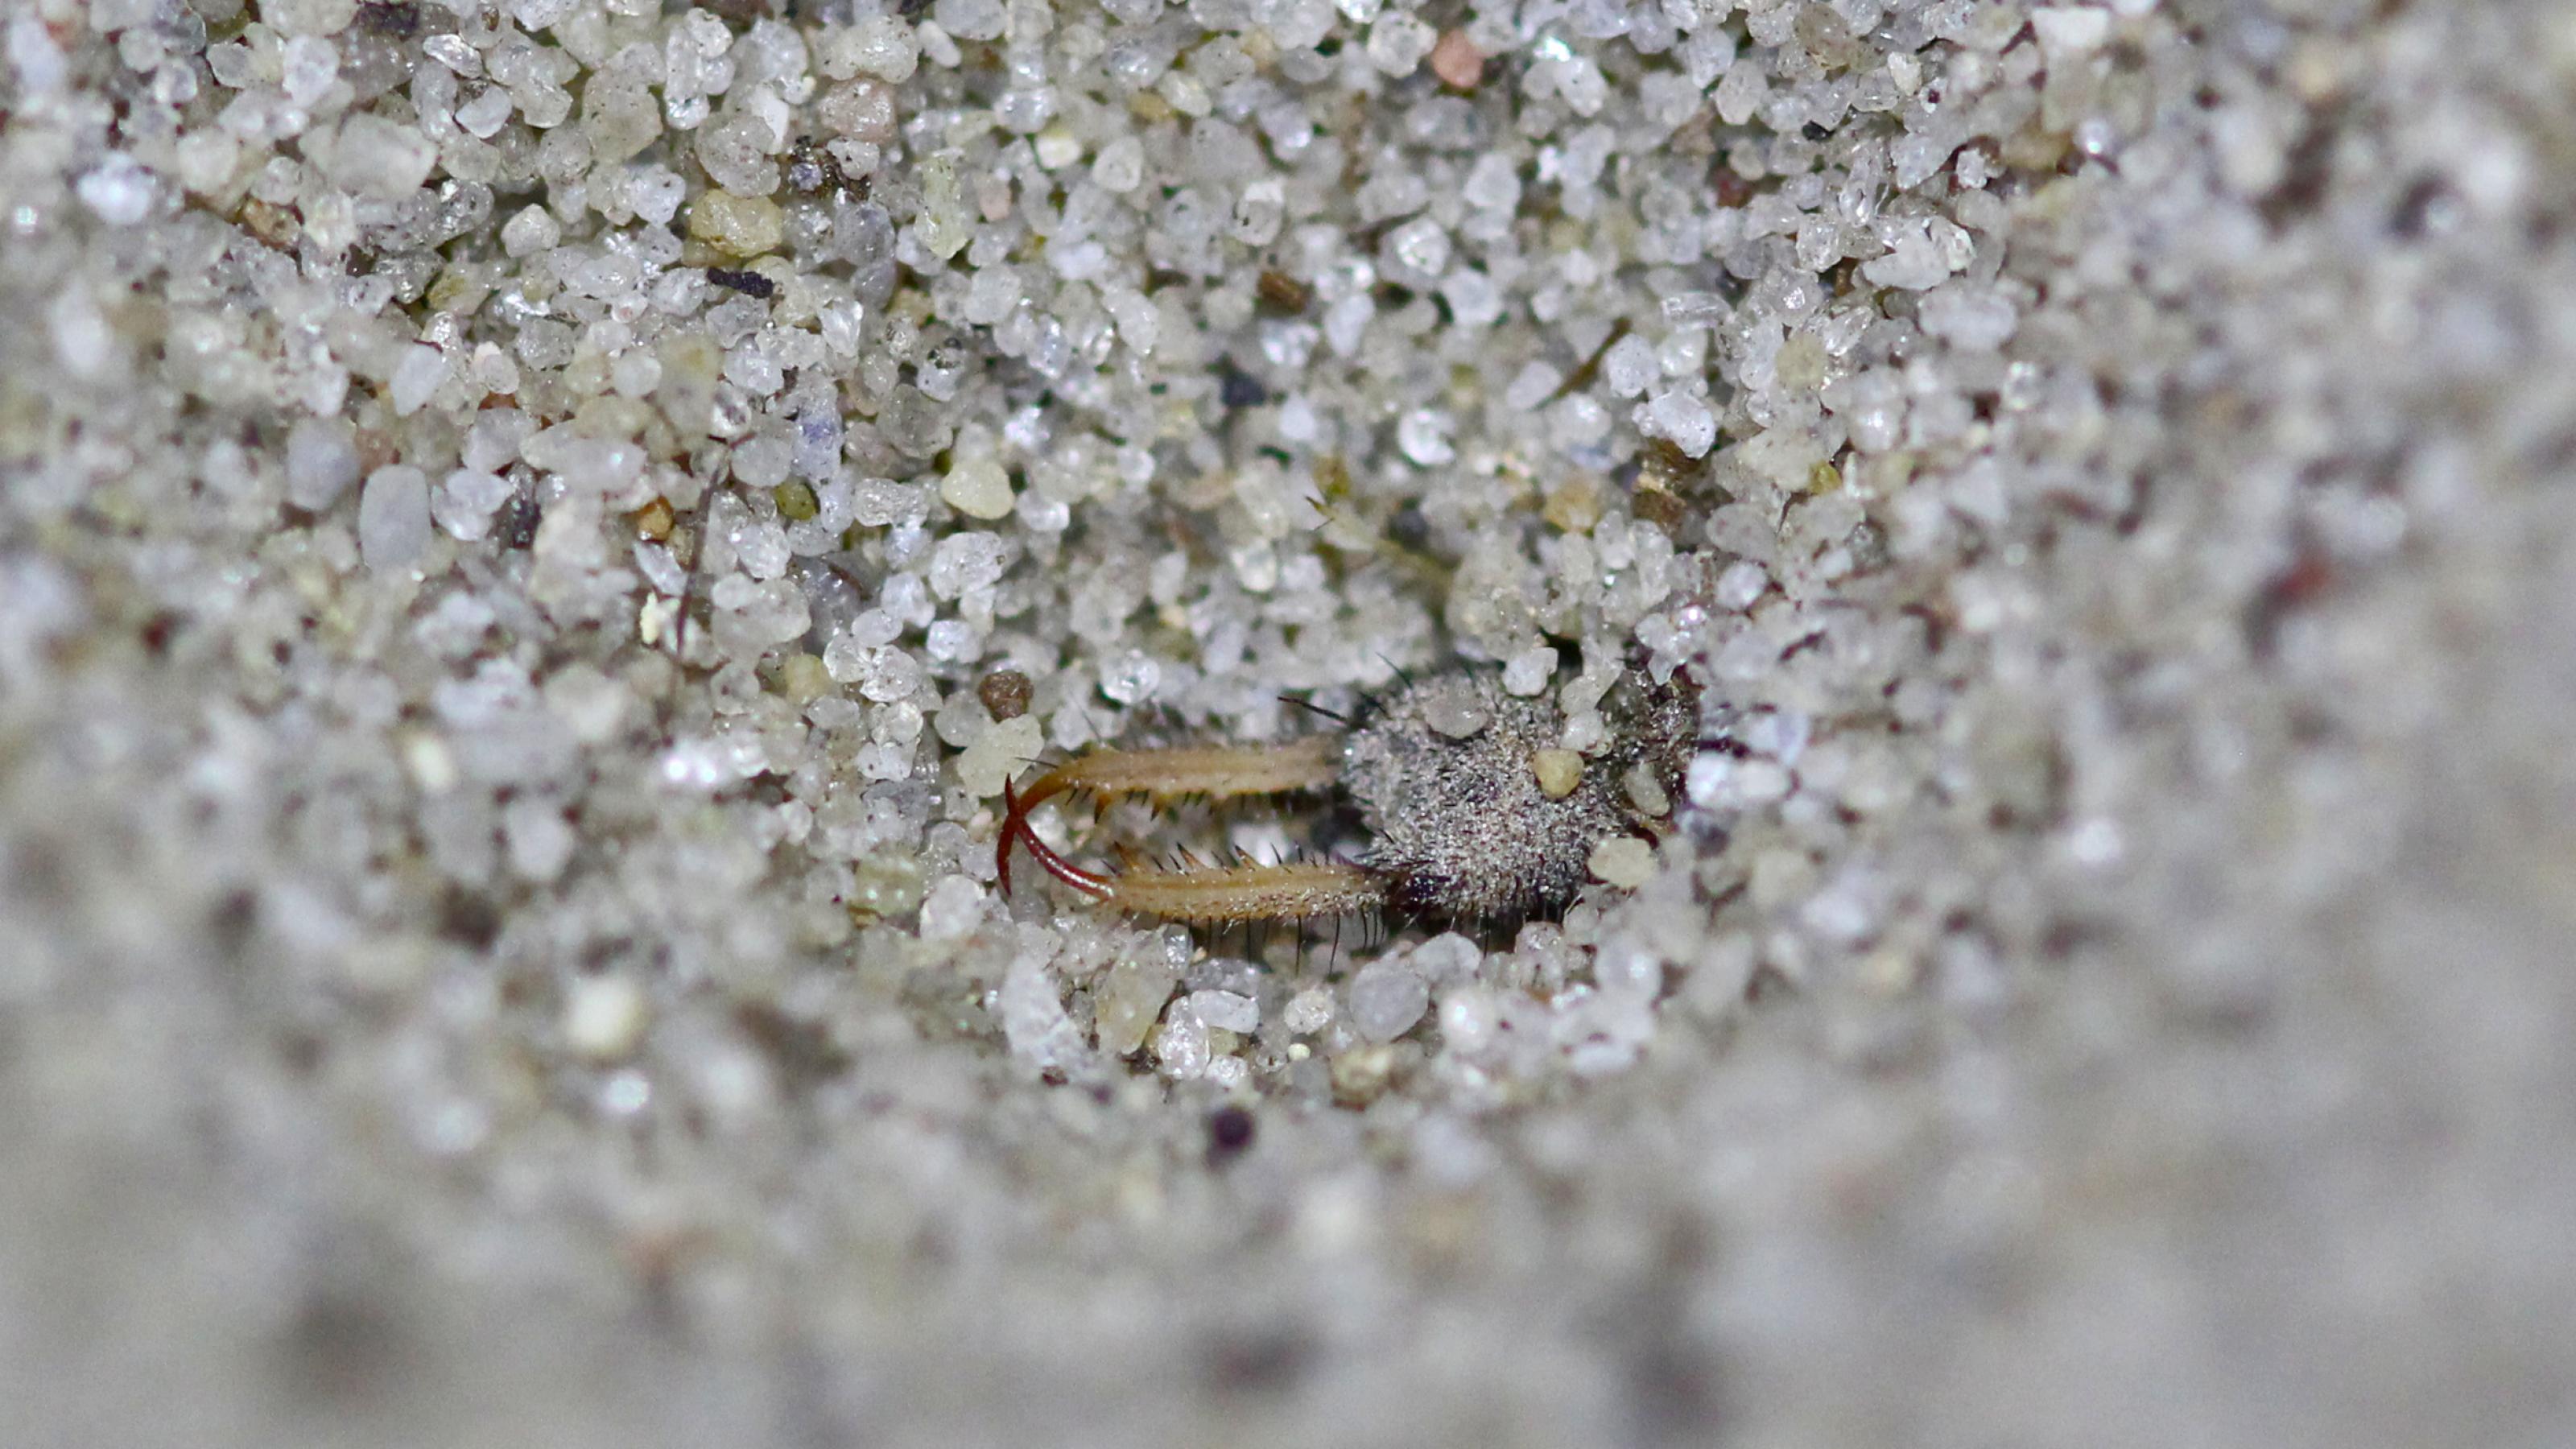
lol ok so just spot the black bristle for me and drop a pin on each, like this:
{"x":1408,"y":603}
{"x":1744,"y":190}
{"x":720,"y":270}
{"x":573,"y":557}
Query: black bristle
{"x":1311,"y":707}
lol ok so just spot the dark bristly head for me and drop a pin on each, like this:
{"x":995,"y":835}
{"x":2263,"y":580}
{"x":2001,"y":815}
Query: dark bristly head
{"x":1474,"y":810}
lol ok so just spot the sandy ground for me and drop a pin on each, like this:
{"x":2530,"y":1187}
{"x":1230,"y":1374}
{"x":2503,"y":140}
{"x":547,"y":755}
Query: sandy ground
{"x":2107,"y":981}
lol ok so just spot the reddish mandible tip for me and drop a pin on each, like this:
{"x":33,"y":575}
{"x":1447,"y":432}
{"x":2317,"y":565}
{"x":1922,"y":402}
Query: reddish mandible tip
{"x":1016,"y":827}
